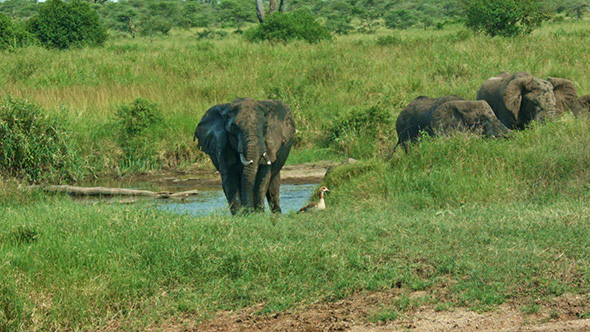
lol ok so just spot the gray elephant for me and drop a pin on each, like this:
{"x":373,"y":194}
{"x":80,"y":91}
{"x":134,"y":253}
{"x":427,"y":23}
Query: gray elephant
{"x":581,"y":107}
{"x":248,"y":141}
{"x":444,"y":115}
{"x":517,"y":99}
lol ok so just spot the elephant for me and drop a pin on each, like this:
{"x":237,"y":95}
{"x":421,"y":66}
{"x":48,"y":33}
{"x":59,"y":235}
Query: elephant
{"x":248,"y":141}
{"x":446,"y":114}
{"x":581,"y":107}
{"x":517,"y":99}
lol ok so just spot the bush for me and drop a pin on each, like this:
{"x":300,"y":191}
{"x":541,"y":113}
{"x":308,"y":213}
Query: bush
{"x":63,"y":25}
{"x":136,"y":123}
{"x":362,"y":133}
{"x":284,"y":27}
{"x":12,"y":35}
{"x":504,"y":17}
{"x":34,"y":145}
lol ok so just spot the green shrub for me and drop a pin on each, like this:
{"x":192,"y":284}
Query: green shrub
{"x":504,"y":17}
{"x":284,"y":27}
{"x":362,"y":133}
{"x":63,"y":25}
{"x":137,"y":123}
{"x":34,"y":145}
{"x":12,"y":35}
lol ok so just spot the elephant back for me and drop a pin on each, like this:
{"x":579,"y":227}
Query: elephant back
{"x":417,"y":116}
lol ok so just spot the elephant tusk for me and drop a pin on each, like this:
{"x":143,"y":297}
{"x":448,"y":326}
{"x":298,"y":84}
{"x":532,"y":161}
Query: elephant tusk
{"x":266,"y":157}
{"x":244,"y":161}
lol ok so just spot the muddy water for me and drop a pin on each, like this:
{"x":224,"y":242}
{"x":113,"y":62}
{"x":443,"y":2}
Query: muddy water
{"x":293,"y":197}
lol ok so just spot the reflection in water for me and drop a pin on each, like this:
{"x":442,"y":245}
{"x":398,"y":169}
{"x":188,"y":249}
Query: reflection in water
{"x":293,"y":197}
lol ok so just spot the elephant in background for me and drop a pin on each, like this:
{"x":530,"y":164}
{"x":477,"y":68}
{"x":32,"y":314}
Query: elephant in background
{"x":248,"y":141}
{"x":444,"y":115}
{"x":581,"y":107}
{"x":517,"y":99}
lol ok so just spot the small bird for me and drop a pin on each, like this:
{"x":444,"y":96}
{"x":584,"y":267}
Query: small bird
{"x":319,"y":206}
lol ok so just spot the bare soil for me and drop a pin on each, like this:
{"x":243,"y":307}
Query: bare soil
{"x":356,"y":314}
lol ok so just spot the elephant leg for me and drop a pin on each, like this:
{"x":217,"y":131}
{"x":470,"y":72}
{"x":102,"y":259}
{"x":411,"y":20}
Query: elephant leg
{"x":272,"y":195}
{"x":231,"y":187}
{"x":261,"y":186}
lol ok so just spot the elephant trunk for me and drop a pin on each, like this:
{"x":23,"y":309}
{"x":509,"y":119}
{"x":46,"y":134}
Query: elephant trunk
{"x":250,"y":158}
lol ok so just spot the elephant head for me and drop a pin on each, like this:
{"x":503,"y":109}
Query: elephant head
{"x":248,"y":142}
{"x":468,"y":116}
{"x":581,"y":107}
{"x":521,"y":98}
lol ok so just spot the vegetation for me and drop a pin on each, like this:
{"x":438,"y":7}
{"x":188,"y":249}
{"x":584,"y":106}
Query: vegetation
{"x":504,"y":17}
{"x":12,"y":35}
{"x":62,"y":25}
{"x":472,"y":222}
{"x":284,"y":27}
{"x":35,"y":144}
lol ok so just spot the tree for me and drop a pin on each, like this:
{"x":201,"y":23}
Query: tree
{"x":272,"y":7}
{"x":63,"y":25}
{"x":504,"y":17}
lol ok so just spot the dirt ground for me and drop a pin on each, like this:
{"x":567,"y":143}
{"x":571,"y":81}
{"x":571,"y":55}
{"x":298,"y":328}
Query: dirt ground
{"x":354,"y":314}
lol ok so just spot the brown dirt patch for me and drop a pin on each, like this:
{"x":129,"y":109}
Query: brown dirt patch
{"x":354,"y":314}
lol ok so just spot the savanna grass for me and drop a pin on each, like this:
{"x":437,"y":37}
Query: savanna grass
{"x":485,"y":221}
{"x":320,"y":82}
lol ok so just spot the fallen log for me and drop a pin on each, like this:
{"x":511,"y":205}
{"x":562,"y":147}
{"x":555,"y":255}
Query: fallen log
{"x":102,"y":191}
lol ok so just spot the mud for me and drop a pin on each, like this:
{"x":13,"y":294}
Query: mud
{"x":356,"y":314}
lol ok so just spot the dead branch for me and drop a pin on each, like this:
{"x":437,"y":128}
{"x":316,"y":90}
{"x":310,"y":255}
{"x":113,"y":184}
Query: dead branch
{"x":102,"y":191}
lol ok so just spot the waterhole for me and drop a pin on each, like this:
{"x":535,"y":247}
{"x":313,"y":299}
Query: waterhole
{"x":210,"y":197}
{"x":293,"y":197}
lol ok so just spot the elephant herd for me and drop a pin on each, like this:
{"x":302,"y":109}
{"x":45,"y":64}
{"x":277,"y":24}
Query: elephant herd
{"x":249,"y":141}
{"x":504,"y":103}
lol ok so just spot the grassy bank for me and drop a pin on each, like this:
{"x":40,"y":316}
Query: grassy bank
{"x":321,"y":83}
{"x":471,"y":222}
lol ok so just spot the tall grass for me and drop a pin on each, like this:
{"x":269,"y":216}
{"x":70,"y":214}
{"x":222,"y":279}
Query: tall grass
{"x":473,"y":222}
{"x":320,"y":82}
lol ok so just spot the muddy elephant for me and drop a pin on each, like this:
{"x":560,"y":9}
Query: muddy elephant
{"x":444,"y":115}
{"x":581,"y":107}
{"x":248,"y":141}
{"x":517,"y":99}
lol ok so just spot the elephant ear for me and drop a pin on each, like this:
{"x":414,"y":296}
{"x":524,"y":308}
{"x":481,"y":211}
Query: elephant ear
{"x":212,"y":135}
{"x":565,"y":93}
{"x":280,"y":126}
{"x":513,"y":94}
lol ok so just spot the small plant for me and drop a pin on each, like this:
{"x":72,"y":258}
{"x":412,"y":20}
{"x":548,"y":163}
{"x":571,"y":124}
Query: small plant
{"x":137,"y":122}
{"x":357,"y":133}
{"x":389,"y":40}
{"x":63,"y":25}
{"x":285,"y":27}
{"x":34,"y":145}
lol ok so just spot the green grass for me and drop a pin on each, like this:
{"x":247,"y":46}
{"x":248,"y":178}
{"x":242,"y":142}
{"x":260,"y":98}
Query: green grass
{"x":489,"y":221}
{"x":321,"y":82}
{"x":487,"y":224}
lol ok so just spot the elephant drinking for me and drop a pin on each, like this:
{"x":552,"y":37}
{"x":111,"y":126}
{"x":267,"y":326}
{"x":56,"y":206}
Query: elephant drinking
{"x":248,"y":141}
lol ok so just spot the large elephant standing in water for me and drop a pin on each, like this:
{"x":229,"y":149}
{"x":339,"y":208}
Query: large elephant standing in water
{"x":517,"y":99}
{"x":248,"y":141}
